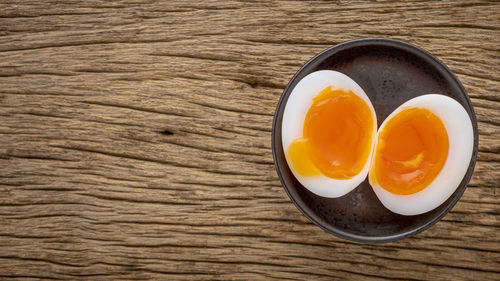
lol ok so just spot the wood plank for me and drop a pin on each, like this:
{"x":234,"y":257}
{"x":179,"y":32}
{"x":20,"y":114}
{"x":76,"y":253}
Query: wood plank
{"x":135,"y":140}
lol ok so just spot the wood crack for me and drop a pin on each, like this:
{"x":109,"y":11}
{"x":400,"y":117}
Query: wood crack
{"x":80,"y":44}
{"x":228,"y":109}
{"x":136,"y":108}
{"x":126,"y":156}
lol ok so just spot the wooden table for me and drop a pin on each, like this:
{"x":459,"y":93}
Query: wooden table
{"x":135,"y":140}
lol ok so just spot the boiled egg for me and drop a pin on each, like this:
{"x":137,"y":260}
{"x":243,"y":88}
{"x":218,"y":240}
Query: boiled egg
{"x":328,"y":133}
{"x":422,"y":152}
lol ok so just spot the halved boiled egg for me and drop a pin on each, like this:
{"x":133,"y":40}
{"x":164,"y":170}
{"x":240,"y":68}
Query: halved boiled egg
{"x":422,"y":153}
{"x":328,"y":133}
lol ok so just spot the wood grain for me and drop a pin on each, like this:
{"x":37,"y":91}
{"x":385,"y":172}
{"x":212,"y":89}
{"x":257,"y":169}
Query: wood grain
{"x":135,"y":140}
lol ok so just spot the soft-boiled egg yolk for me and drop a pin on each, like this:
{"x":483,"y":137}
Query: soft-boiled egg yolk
{"x":337,"y":136}
{"x":411,"y":151}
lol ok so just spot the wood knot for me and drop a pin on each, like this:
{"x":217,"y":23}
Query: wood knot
{"x":167,"y":132}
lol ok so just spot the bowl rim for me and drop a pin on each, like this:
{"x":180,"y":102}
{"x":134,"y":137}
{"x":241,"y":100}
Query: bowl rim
{"x":388,"y":43}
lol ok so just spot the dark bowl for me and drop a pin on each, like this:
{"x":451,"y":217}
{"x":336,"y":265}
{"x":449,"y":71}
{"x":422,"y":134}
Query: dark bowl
{"x":390,"y":72}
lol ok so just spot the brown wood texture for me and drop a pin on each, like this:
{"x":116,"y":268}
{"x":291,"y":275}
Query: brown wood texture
{"x":135,"y":140}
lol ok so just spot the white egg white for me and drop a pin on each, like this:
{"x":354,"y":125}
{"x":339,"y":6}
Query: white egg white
{"x":461,"y":139}
{"x":297,"y":106}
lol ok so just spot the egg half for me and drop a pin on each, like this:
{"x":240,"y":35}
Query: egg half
{"x":328,"y":133}
{"x":422,"y":152}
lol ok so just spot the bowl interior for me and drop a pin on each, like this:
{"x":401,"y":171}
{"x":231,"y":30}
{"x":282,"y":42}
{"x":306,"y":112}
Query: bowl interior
{"x":390,"y":72}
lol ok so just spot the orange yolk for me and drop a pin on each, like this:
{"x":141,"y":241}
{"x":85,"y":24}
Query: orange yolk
{"x":337,"y":136}
{"x":411,"y":150}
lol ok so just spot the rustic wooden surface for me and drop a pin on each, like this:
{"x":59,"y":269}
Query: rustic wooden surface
{"x":135,"y":140}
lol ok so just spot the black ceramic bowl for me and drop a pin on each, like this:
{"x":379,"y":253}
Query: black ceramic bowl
{"x":390,"y":72}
